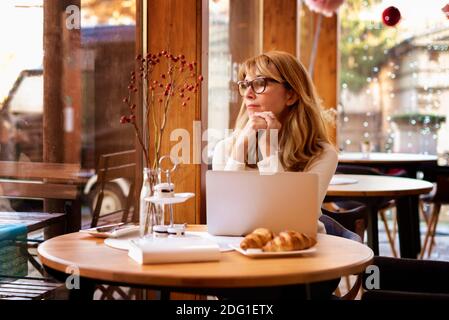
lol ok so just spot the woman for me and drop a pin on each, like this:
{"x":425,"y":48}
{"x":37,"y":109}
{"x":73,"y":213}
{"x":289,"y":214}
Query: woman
{"x":281,"y":104}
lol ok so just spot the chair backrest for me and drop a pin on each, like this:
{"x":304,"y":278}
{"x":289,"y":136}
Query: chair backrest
{"x":110,"y":167}
{"x":440,"y":175}
{"x":442,"y":194}
{"x":37,"y":190}
{"x":333,"y":227}
{"x":355,"y":169}
{"x":429,"y":279}
{"x":336,"y":229}
{"x":355,"y":220}
{"x":39,"y":180}
{"x":61,"y":172}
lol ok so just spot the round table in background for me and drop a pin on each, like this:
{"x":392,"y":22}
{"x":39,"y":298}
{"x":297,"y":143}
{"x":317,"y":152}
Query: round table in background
{"x":410,"y":162}
{"x":372,"y":191}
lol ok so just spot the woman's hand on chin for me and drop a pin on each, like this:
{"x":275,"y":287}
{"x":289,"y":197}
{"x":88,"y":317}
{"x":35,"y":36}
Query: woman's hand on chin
{"x":266,"y":146}
{"x":248,"y":133}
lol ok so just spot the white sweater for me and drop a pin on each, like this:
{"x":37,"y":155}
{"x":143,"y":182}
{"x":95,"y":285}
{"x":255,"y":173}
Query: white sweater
{"x":324,"y":165}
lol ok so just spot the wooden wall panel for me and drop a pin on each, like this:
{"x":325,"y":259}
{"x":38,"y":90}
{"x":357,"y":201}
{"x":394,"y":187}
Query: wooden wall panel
{"x":279,"y":25}
{"x":325,"y":75}
{"x":175,"y":25}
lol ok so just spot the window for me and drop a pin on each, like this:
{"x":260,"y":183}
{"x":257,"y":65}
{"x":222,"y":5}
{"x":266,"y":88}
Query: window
{"x":63,"y":102}
{"x":234,"y":35}
{"x":393,"y":80}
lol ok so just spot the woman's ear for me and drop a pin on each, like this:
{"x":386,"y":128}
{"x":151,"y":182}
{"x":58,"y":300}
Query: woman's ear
{"x":292,"y":97}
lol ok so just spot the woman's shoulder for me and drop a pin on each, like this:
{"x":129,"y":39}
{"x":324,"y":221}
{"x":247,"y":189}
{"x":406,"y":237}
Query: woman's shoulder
{"x":329,"y":150}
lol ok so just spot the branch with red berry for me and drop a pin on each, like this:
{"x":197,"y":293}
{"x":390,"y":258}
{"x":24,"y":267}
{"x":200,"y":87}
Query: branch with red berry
{"x":179,"y":79}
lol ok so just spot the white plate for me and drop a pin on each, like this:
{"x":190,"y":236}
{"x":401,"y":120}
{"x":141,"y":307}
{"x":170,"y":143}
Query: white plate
{"x":258,"y":253}
{"x":178,"y":198}
{"x":339,"y":180}
{"x":114,"y":234}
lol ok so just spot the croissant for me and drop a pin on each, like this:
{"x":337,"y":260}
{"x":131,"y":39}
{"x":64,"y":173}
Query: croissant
{"x":290,"y":241}
{"x":256,"y":239}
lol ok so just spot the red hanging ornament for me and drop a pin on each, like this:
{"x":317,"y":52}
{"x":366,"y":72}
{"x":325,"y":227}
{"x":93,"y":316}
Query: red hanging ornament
{"x":391,"y":16}
{"x":446,"y":10}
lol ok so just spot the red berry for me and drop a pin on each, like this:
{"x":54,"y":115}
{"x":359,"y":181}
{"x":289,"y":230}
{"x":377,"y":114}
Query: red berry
{"x":200,"y":78}
{"x":139,"y":57}
{"x":132,"y":118}
{"x":123,"y":119}
{"x":391,"y":16}
{"x":184,"y":104}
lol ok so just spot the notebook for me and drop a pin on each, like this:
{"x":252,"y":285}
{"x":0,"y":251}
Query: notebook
{"x":173,"y":250}
{"x":237,"y":202}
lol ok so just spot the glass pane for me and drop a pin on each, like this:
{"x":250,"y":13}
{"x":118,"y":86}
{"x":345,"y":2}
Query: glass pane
{"x":107,"y":51}
{"x":393,"y":79}
{"x":70,"y":112}
{"x":234,"y":36}
{"x":21,"y":81}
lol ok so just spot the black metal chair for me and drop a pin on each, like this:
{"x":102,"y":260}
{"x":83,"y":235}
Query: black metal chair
{"x":350,"y":225}
{"x":440,"y":175}
{"x":409,"y":279}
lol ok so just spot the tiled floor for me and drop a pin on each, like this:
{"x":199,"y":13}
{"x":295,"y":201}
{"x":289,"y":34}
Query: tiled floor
{"x":441,"y":249}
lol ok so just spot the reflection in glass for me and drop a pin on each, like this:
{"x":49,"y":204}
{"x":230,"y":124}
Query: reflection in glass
{"x":393,"y":81}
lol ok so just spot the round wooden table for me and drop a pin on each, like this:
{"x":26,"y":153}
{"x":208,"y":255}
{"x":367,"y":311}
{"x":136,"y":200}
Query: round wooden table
{"x":385,"y":158}
{"x":410,"y":162}
{"x":334,"y":257}
{"x":372,"y":191}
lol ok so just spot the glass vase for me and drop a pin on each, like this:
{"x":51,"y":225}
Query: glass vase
{"x":150,"y":214}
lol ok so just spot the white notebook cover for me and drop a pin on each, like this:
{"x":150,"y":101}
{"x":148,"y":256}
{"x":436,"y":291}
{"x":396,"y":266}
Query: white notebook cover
{"x":172,"y":250}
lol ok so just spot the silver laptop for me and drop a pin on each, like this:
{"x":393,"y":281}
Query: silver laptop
{"x":238,"y":202}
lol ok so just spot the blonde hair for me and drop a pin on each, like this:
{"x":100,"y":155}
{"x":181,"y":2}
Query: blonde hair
{"x":303,"y":131}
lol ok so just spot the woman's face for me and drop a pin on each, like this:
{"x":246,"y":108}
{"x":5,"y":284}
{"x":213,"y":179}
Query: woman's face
{"x":274,"y":98}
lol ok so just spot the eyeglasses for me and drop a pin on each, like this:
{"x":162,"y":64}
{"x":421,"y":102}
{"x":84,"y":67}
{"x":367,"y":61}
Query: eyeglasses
{"x":258,"y":85}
